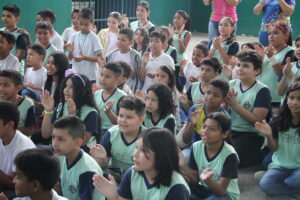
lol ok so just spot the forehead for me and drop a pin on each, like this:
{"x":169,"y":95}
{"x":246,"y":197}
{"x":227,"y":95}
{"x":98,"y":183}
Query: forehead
{"x":295,"y":93}
{"x":6,"y":12}
{"x":6,"y":80}
{"x":126,"y":111}
{"x":61,"y":132}
{"x":42,"y":31}
{"x":207,"y":67}
{"x":123,"y":36}
{"x":214,"y":89}
{"x":245,"y":63}
{"x":85,"y":21}
{"x":156,"y":39}
{"x":3,"y":39}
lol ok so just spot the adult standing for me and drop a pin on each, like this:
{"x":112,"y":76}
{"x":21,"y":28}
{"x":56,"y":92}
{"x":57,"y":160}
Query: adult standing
{"x":274,"y":11}
{"x":220,"y":9}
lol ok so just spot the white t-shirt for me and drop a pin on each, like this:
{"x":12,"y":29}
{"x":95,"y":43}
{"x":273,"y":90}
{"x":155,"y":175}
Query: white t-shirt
{"x":190,"y":70}
{"x":68,"y":32}
{"x":20,"y":142}
{"x":37,"y":77}
{"x":153,"y":65}
{"x":10,"y":62}
{"x":89,"y":44}
{"x":118,"y":56}
{"x":57,"y":41}
{"x":112,"y":45}
{"x":55,"y":196}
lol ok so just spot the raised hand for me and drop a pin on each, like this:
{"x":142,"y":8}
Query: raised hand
{"x":232,"y":97}
{"x":107,"y":187}
{"x":269,"y":50}
{"x":71,"y":107}
{"x":70,"y":47}
{"x":140,"y":94}
{"x":146,"y":58}
{"x":264,"y":128}
{"x":47,"y":101}
{"x":98,"y":152}
{"x":183,"y":98}
{"x":124,"y":20}
{"x":108,"y":106}
{"x":195,"y":115}
{"x":206,"y":174}
{"x":227,"y":69}
{"x":287,"y":70}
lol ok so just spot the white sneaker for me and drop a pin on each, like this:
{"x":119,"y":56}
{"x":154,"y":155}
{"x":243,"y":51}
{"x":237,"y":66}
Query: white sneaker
{"x":258,"y":175}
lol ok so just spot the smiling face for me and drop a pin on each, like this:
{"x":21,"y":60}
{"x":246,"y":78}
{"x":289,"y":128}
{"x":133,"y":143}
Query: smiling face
{"x":144,"y":158}
{"x":68,"y":90}
{"x":297,"y":50}
{"x":293,"y":102}
{"x":155,"y":45}
{"x":51,"y":69}
{"x":43,"y":36}
{"x":246,"y":71}
{"x":8,"y":90}
{"x":129,"y":121}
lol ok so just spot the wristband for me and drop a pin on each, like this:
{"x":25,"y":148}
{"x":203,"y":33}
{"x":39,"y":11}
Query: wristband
{"x":273,"y":60}
{"x":48,"y":112}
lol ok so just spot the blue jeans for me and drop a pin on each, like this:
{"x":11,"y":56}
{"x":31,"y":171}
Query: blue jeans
{"x":31,"y":94}
{"x":215,"y":197}
{"x":213,"y":30}
{"x":281,"y":181}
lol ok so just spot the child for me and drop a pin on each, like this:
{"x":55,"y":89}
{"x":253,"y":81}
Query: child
{"x":76,"y":99}
{"x":290,"y":70}
{"x":224,"y":47}
{"x":37,"y":172}
{"x":10,"y":86}
{"x":141,"y":40}
{"x":108,"y":98}
{"x":167,"y":47}
{"x":77,"y":167}
{"x":189,"y":73}
{"x":109,"y":36}
{"x":209,"y":69}
{"x":36,"y":75}
{"x":84,"y":47}
{"x":160,"y":107}
{"x":119,"y":142}
{"x":68,"y":32}
{"x":7,"y":59}
{"x":181,"y":38}
{"x":125,"y":76}
{"x":282,"y":177}
{"x":155,"y":174}
{"x":215,"y":96}
{"x":214,"y":162}
{"x":142,"y":13}
{"x":49,"y":16}
{"x":43,"y":32}
{"x":12,"y":142}
{"x":126,"y":54}
{"x":250,"y":102}
{"x":154,"y":59}
{"x":10,"y":19}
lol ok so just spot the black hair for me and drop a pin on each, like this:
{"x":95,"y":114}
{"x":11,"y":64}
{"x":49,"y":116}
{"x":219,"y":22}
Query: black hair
{"x":186,"y":17}
{"x":47,"y":14}
{"x":82,"y":93}
{"x":165,"y":30}
{"x":61,"y":62}
{"x":15,"y":10}
{"x":250,"y":45}
{"x":133,"y":103}
{"x":115,"y":67}
{"x":73,"y":124}
{"x":165,"y":99}
{"x":10,"y":38}
{"x":162,"y":143}
{"x":252,"y":57}
{"x":44,"y":25}
{"x":128,"y":32}
{"x":9,"y":112}
{"x":171,"y":75}
{"x":212,"y":62}
{"x":125,"y":68}
{"x":144,"y":4}
{"x":39,"y":49}
{"x":13,"y":75}
{"x":297,"y":39}
{"x":115,"y":15}
{"x":284,"y":119}
{"x":232,"y":34}
{"x":157,"y":34}
{"x":223,"y":121}
{"x":203,"y":48}
{"x":87,"y":13}
{"x":145,"y":41}
{"x":39,"y":164}
{"x":221,"y":84}
{"x":75,"y":11}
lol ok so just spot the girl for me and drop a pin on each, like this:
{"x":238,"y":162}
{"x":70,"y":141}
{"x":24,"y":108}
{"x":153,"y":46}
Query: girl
{"x":224,"y":47}
{"x":167,"y":47}
{"x":160,"y":107}
{"x":56,"y":66}
{"x":142,"y":13}
{"x":155,"y":174}
{"x":214,"y":161}
{"x":109,"y":36}
{"x":181,"y":38}
{"x":276,"y":54}
{"x":283,"y":175}
{"x":76,"y":99}
{"x":141,"y":40}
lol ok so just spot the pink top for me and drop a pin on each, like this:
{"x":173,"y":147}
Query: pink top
{"x":221,"y":9}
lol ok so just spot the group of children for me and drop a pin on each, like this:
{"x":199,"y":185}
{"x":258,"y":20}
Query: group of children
{"x":130,"y":117}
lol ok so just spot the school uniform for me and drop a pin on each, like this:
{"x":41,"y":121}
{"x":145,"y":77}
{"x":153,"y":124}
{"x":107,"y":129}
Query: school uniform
{"x":27,"y":115}
{"x":167,"y":122}
{"x":148,"y":26}
{"x":195,"y":92}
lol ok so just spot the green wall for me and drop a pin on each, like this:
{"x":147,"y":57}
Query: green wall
{"x":29,"y":8}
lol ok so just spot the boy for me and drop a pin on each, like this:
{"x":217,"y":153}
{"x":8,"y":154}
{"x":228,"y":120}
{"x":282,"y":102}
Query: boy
{"x":10,"y":85}
{"x":43,"y":32}
{"x":126,"y":54}
{"x":12,"y":142}
{"x":77,"y":167}
{"x":84,"y":47}
{"x":108,"y":98}
{"x":209,"y":69}
{"x":68,"y":32}
{"x":125,"y":76}
{"x":49,"y":16}
{"x":36,"y":75}
{"x":10,"y":19}
{"x":7,"y":59}
{"x":154,"y":59}
{"x":250,"y":102}
{"x":119,"y":142}
{"x":215,"y":95}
